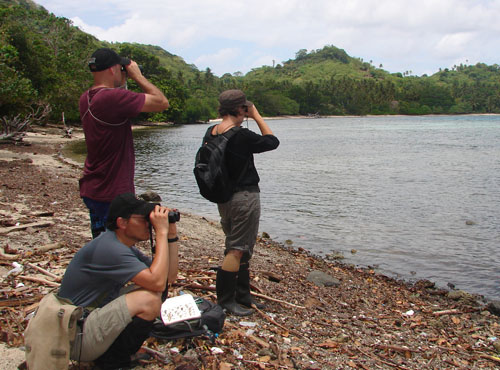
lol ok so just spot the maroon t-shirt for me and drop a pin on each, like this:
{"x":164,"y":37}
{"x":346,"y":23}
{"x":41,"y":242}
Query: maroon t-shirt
{"x":110,"y":163}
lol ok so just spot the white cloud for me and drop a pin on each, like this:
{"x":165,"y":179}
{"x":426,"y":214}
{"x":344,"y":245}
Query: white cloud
{"x":401,"y":34}
{"x":452,"y":45}
{"x":93,"y":30}
{"x":220,"y":61}
{"x":265,"y":60}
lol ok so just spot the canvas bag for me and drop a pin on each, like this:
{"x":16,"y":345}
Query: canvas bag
{"x":210,"y":167}
{"x":211,"y":321}
{"x":50,"y":333}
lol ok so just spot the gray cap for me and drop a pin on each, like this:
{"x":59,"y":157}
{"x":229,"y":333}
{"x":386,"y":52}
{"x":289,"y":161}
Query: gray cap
{"x":231,"y":99}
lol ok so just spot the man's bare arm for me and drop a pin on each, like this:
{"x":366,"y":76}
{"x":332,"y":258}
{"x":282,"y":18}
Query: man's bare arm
{"x":155,"y":277}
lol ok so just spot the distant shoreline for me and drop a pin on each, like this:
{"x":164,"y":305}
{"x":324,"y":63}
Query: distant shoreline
{"x":145,"y":124}
{"x":367,"y":115}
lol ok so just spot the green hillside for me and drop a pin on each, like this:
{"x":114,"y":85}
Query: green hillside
{"x":43,"y":65}
{"x":329,"y":81}
{"x":172,"y":62}
{"x":42,"y":60}
{"x":318,"y":64}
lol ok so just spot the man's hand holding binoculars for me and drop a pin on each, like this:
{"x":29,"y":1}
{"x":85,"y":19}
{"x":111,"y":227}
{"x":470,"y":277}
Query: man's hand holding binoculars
{"x":133,"y":70}
{"x":164,"y":221}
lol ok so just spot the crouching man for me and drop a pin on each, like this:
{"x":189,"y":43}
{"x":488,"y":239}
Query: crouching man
{"x":118,"y":324}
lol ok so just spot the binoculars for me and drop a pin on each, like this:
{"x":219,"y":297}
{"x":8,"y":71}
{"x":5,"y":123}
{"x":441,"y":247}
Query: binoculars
{"x":174,"y":216}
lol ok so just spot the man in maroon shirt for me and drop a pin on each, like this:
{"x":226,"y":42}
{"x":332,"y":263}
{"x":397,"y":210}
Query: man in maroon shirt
{"x":105,"y":110}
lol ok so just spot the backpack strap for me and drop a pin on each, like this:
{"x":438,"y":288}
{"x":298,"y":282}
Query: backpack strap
{"x":231,"y":132}
{"x":228,"y":134}
{"x":92,"y":114}
{"x":207,"y":134}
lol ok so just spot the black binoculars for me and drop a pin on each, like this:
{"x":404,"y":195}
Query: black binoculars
{"x":174,"y":216}
{"x":124,"y":69}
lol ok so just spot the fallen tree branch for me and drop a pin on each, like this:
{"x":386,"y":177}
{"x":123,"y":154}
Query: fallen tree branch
{"x":48,"y":247}
{"x":395,"y":348}
{"x":201,"y":278}
{"x":194,"y":286}
{"x":39,"y":280}
{"x":6,"y":230}
{"x":447,"y":312}
{"x":43,"y":271}
{"x":258,"y":364}
{"x":43,"y":214}
{"x":492,"y":358}
{"x":453,"y":350}
{"x":14,"y":290}
{"x":453,"y":312}
{"x":18,"y":301}
{"x":9,"y":257}
{"x":261,"y":313}
{"x":271,"y":276}
{"x":451,"y":362}
{"x":31,"y":307}
{"x":211,"y":288}
{"x":268,"y":318}
{"x":276,"y":300}
{"x":261,"y":343}
{"x":384,"y":361}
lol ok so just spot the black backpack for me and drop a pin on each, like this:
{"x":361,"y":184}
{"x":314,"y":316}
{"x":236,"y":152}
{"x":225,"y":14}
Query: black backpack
{"x":211,"y":322}
{"x":210,"y":168}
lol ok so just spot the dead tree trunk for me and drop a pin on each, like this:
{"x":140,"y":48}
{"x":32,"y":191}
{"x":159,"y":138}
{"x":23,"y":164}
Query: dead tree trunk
{"x":12,"y":130}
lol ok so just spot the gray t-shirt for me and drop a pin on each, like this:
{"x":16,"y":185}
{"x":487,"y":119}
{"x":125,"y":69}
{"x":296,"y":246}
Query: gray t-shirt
{"x":100,"y":269}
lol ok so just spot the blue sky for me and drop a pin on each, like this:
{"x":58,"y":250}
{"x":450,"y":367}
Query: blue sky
{"x":233,"y":35}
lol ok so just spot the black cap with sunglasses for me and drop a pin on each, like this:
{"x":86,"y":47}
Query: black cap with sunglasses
{"x":125,"y":205}
{"x":105,"y":58}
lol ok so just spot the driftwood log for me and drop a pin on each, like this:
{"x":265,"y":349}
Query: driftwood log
{"x":6,"y":230}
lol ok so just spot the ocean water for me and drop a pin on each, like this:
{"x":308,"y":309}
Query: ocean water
{"x":413,"y":197}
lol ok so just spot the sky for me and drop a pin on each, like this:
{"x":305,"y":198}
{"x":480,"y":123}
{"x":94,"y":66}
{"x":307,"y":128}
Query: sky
{"x":231,"y":36}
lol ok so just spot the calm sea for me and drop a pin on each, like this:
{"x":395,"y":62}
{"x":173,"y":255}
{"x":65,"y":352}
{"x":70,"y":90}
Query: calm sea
{"x":413,"y":197}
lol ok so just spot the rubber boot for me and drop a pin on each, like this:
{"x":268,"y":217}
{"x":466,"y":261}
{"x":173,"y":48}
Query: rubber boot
{"x":226,"y":290}
{"x":130,"y":340}
{"x":243,"y":295}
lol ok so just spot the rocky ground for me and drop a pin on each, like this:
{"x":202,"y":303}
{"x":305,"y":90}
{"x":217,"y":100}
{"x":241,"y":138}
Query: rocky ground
{"x":319,"y":314}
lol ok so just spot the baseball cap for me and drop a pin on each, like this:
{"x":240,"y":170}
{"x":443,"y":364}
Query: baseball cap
{"x":104,"y":58}
{"x":125,"y":205}
{"x":231,"y":99}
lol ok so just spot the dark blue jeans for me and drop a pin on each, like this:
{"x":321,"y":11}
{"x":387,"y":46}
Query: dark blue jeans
{"x":98,"y":215}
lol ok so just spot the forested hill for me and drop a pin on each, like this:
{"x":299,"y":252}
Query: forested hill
{"x":328,"y":81}
{"x":43,"y":63}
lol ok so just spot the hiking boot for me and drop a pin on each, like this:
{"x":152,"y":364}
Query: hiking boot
{"x":226,"y":290}
{"x":243,"y":295}
{"x":120,"y":355}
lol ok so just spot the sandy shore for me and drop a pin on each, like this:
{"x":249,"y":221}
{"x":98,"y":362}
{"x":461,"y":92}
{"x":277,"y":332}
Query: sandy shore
{"x":362,"y":320}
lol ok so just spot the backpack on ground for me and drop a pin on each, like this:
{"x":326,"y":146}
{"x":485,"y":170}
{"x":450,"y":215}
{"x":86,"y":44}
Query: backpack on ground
{"x":211,"y":322}
{"x":50,"y":333}
{"x":210,"y":168}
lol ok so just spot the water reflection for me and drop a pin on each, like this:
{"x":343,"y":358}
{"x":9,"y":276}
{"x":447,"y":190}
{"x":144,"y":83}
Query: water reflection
{"x":399,"y":190}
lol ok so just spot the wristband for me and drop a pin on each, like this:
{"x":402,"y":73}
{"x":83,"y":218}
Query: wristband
{"x":173,"y":240}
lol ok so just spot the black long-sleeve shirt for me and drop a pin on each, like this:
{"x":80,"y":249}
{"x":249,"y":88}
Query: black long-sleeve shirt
{"x":239,"y":152}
